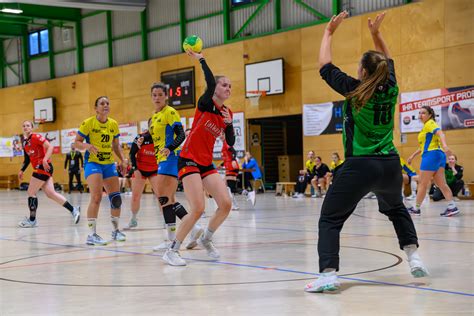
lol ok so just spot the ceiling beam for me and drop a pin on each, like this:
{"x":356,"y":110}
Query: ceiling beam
{"x":110,"y":5}
{"x":42,"y":12}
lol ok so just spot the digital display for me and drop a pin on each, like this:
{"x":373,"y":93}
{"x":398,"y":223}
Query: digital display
{"x":180,"y":85}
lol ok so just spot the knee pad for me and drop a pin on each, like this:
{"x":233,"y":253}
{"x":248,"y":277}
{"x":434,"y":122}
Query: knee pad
{"x":115,"y":200}
{"x":179,"y":210}
{"x":169,"y":214}
{"x":163,"y":200}
{"x":32,"y":203}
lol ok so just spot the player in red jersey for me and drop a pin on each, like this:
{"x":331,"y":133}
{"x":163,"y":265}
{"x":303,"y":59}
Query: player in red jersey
{"x":231,"y":165}
{"x":144,"y":166}
{"x":38,"y":151}
{"x":211,"y":119}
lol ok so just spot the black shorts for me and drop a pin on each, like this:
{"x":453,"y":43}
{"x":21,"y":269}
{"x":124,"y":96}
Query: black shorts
{"x":188,"y":166}
{"x":147,"y":174}
{"x":41,"y":174}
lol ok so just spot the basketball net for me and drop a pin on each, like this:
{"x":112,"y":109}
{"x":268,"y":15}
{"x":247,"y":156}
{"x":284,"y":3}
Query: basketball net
{"x":37,"y":122}
{"x":254,"y":96}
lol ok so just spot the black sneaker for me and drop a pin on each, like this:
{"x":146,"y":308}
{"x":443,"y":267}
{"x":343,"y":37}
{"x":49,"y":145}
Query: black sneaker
{"x":450,"y":212}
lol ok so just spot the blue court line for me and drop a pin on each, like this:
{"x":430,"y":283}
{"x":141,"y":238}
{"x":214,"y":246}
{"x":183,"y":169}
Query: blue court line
{"x":251,"y":266}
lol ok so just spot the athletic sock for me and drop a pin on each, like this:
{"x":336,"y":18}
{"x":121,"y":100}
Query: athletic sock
{"x":451,"y":204}
{"x":171,"y":231}
{"x":115,"y":222}
{"x":175,"y":245}
{"x":68,"y":206}
{"x":208,"y":234}
{"x":91,"y":223}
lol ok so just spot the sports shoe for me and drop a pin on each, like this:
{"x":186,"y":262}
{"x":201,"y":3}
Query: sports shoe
{"x":450,"y":212}
{"x":173,"y":258}
{"x":209,"y":246}
{"x":131,"y":224}
{"x":163,"y":246}
{"x":326,"y":282}
{"x":251,"y":197}
{"x":26,"y":223}
{"x":418,"y":269}
{"x":118,"y":235}
{"x":76,"y":214}
{"x":411,"y":197}
{"x":195,"y":234}
{"x":295,"y":195}
{"x":95,"y":240}
{"x":414,"y":211}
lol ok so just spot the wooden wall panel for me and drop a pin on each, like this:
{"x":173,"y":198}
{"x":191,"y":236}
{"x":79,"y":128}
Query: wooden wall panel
{"x":421,"y":26}
{"x":459,"y":22}
{"x":138,"y":78}
{"x":422,"y":71}
{"x":459,"y":65}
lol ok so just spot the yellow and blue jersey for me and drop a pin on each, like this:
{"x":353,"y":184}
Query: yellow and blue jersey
{"x":101,"y":136}
{"x":161,"y":130}
{"x":334,"y":165}
{"x":409,"y":170}
{"x":427,"y":138}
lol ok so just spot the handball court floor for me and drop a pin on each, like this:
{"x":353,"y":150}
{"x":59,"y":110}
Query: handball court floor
{"x":268,"y":254}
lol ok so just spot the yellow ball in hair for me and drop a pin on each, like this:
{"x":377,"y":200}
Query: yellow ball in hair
{"x":193,"y":43}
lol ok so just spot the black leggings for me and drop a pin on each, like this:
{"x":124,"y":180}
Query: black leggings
{"x":357,"y":177}
{"x":455,"y":188}
{"x":78,"y":179}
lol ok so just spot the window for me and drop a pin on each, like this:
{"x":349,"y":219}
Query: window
{"x":38,"y":42}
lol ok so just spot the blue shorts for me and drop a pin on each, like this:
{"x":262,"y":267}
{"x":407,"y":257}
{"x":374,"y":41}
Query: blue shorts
{"x":169,"y":167}
{"x":107,"y":171}
{"x":433,"y":160}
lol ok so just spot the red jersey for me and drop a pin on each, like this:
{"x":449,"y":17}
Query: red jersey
{"x":143,"y":158}
{"x":207,"y":126}
{"x":228,"y":157}
{"x":33,"y":147}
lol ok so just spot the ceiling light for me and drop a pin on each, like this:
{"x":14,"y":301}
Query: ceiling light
{"x":9,"y":10}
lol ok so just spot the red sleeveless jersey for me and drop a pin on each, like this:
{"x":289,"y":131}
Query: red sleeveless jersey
{"x":33,"y":147}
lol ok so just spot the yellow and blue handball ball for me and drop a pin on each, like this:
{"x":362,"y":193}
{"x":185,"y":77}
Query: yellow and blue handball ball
{"x":193,"y":43}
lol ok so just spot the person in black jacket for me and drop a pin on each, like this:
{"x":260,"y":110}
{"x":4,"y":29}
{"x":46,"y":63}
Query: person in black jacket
{"x":453,"y":173}
{"x":76,"y":163}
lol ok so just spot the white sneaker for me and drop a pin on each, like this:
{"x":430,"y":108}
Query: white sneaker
{"x":411,"y":197}
{"x":195,"y":234}
{"x":326,"y":282}
{"x":418,"y":269}
{"x":251,"y":197}
{"x":118,"y":235}
{"x":26,"y":223}
{"x":95,"y":240}
{"x":314,"y":196}
{"x":301,"y":195}
{"x":76,"y":214}
{"x":209,"y":246}
{"x":295,"y":196}
{"x":173,"y":258}
{"x":163,"y":246}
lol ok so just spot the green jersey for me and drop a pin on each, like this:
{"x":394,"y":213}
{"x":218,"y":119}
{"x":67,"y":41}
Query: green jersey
{"x":368,"y":131}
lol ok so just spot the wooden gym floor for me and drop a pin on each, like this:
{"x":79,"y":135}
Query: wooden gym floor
{"x":268,"y":254}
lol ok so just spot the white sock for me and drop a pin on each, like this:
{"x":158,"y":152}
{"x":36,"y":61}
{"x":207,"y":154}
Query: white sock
{"x":412,"y":252}
{"x":134,"y":216}
{"x":175,"y":245}
{"x":451,"y":204}
{"x":115,"y":222}
{"x":413,"y":187}
{"x":208,"y":234}
{"x":171,"y":231}
{"x":91,"y":223}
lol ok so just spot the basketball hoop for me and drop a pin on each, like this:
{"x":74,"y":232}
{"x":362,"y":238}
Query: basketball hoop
{"x":37,"y":122}
{"x":254,"y":96}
